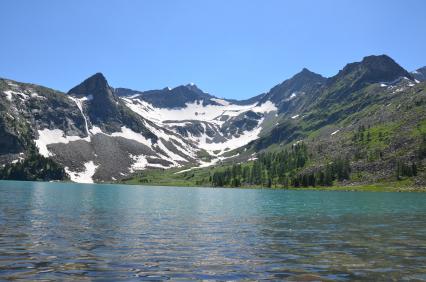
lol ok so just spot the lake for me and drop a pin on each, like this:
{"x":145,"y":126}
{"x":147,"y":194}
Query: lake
{"x":57,"y":231}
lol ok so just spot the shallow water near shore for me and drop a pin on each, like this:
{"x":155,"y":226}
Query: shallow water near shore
{"x":57,"y":231}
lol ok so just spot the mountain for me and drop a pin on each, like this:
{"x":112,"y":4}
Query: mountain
{"x":95,"y":132}
{"x":104,"y":108}
{"x":98,"y":133}
{"x":295,"y":92}
{"x":89,"y":131}
{"x":215,"y":125}
{"x":372,"y":113}
{"x":170,"y":98}
{"x":330,"y":100}
{"x":103,"y":104}
{"x":419,"y":74}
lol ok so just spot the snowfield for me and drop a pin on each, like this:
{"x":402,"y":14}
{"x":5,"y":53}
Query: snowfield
{"x":213,"y":115}
{"x":130,"y":134}
{"x":85,"y":176}
{"x":195,"y":111}
{"x":53,"y":136}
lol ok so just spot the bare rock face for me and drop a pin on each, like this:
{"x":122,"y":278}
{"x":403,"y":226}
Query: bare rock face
{"x":103,"y":105}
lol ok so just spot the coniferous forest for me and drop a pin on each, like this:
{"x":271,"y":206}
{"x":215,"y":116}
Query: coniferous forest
{"x":34,"y":167}
{"x":282,"y":169}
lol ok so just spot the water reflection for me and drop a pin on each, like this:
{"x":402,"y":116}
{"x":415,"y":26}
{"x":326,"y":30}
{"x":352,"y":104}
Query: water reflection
{"x":69,"y":231}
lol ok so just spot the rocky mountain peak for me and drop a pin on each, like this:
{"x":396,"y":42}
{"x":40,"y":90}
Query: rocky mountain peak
{"x":193,"y":87}
{"x":372,"y":69}
{"x":104,"y":107}
{"x":305,"y":82}
{"x":306,"y":71}
{"x":384,"y":65}
{"x":94,"y":85}
{"x":306,"y":75}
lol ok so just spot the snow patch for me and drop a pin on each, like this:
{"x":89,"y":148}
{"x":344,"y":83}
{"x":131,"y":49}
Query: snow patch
{"x":158,"y":166}
{"x":11,"y":93}
{"x":292,"y":96}
{"x":8,"y":95}
{"x":79,"y":103}
{"x":266,"y":107}
{"x":220,"y":101}
{"x":207,"y":164}
{"x":139,"y":164}
{"x":53,"y":136}
{"x":85,"y":176}
{"x":130,"y":134}
{"x":35,"y":95}
{"x":334,"y":132}
{"x":95,"y":130}
{"x":294,"y":117}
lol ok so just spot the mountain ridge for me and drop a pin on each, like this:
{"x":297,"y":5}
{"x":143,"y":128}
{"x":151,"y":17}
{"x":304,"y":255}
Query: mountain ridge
{"x":100,"y":133}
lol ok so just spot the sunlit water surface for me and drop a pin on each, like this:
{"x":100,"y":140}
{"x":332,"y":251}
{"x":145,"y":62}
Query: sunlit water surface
{"x":111,"y":232}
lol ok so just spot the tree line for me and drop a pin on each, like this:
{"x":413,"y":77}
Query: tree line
{"x":282,"y":169}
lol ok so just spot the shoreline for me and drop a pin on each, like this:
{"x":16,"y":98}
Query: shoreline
{"x":376,"y":187}
{"x":355,"y":188}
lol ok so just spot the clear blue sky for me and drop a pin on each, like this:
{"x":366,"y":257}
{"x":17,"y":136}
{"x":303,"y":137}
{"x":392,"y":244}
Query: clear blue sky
{"x":230,"y":48}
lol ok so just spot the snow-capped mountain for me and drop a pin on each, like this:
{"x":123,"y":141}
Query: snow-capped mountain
{"x":103,"y":134}
{"x":98,"y":133}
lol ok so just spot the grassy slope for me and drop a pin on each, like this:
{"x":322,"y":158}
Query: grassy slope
{"x":170,"y":177}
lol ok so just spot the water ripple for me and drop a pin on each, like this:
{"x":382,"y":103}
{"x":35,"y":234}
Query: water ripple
{"x":109,"y":232}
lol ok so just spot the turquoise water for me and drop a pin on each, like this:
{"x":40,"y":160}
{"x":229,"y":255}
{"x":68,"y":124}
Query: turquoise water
{"x":111,"y":232}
